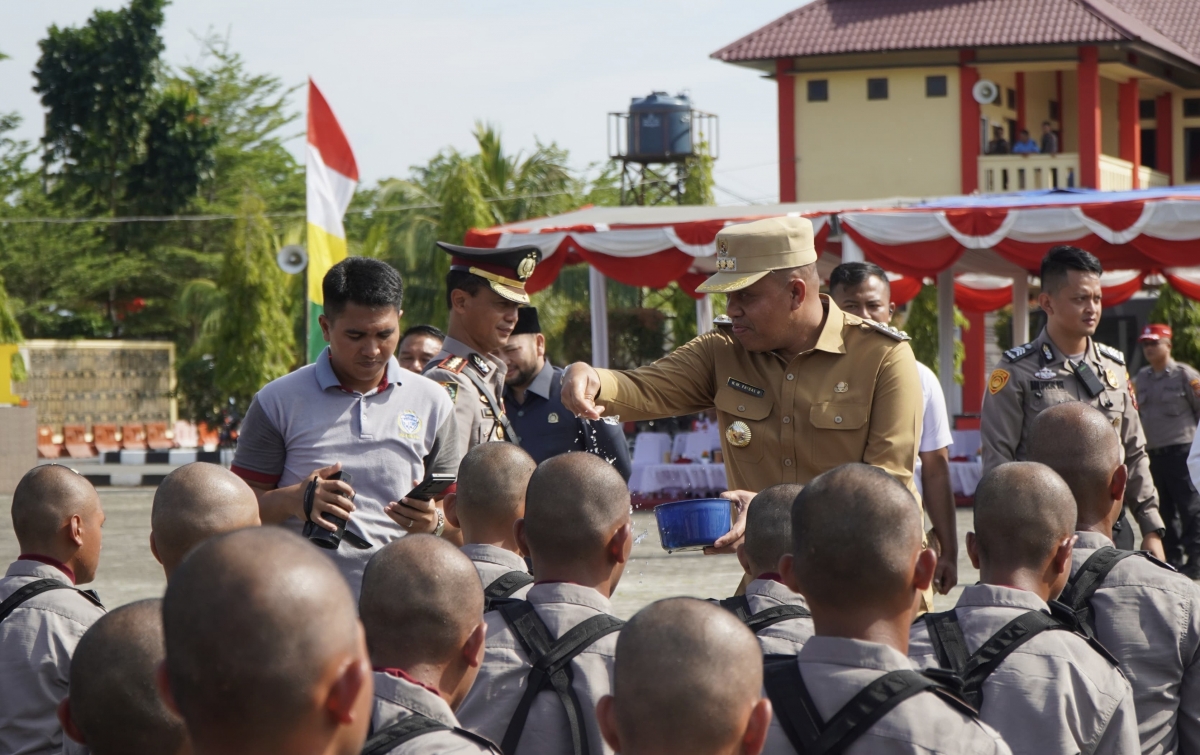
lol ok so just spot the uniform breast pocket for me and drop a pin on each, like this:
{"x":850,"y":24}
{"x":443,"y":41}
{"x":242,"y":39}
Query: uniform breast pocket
{"x":839,"y":433}
{"x":1044,"y":398}
{"x":733,"y":407}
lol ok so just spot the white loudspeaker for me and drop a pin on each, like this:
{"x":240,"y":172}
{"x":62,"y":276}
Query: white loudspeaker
{"x":292,"y":259}
{"x":985,"y":91}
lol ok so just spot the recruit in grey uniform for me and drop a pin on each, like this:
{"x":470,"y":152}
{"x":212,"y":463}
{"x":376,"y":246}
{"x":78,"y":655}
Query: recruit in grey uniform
{"x":835,"y":669}
{"x":1036,"y":376}
{"x":493,"y":562}
{"x":1168,"y":395}
{"x":386,"y":438}
{"x":1148,"y":617}
{"x":37,"y":641}
{"x":1051,"y":694}
{"x":490,"y":704}
{"x":786,"y":637}
{"x":398,"y":697}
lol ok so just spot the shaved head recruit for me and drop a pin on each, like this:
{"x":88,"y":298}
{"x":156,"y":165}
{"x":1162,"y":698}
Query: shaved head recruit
{"x":573,"y":505}
{"x":1023,"y":510}
{"x":1087,"y":462}
{"x":769,"y":526}
{"x":687,"y":679}
{"x":45,"y":499}
{"x":491,"y":483}
{"x":196,"y":502}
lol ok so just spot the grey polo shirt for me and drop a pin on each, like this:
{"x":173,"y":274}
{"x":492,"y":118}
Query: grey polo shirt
{"x":385,"y":438}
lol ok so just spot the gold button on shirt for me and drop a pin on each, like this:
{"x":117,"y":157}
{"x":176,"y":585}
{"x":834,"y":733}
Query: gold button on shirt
{"x":855,"y":397}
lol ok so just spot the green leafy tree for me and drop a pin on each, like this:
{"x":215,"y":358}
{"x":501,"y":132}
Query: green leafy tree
{"x":1183,"y":315}
{"x":921,"y":323}
{"x":698,"y":176}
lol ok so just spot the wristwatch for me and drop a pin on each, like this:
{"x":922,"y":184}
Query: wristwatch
{"x":441,"y":525}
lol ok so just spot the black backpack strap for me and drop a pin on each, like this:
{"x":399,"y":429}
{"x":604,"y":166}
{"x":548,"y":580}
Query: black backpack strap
{"x":774,"y":615}
{"x":503,"y":587}
{"x":999,"y":646}
{"x":25,"y":592}
{"x":390,"y":737}
{"x":802,"y":723}
{"x":1077,"y":595}
{"x":738,"y":605}
{"x":551,"y":661}
{"x":949,"y":643}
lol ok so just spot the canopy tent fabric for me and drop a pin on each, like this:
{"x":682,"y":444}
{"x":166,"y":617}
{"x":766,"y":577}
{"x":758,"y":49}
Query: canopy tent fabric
{"x":675,"y":243}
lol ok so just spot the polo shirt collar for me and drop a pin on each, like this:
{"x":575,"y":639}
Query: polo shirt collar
{"x":981,"y":596}
{"x":43,"y":567}
{"x":492,"y":554}
{"x":541,"y":384}
{"x":326,"y":378}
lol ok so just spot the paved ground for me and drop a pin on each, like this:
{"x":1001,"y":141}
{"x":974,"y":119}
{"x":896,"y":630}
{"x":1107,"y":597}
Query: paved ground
{"x":129,"y":572}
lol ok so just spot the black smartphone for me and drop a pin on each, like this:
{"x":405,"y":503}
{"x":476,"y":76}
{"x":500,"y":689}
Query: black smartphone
{"x":433,"y":486}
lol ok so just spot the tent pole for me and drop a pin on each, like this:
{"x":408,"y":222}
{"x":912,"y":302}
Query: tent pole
{"x":1020,"y":317}
{"x":851,"y":252}
{"x":946,"y":341}
{"x":704,"y":315}
{"x":598,"y":293}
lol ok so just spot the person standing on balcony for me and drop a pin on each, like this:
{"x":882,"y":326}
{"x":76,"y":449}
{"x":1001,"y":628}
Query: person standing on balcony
{"x":998,"y":145}
{"x":1049,"y":139}
{"x":1025,"y":144}
{"x":1064,"y":364}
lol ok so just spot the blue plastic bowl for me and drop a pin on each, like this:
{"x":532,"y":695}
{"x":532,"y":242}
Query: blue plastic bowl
{"x":691,"y":525}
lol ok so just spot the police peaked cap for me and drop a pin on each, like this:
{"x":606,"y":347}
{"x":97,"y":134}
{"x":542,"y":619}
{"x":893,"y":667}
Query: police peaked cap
{"x":505,"y":270}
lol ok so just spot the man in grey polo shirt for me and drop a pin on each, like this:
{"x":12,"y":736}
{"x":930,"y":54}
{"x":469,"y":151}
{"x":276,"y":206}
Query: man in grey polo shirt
{"x":355,"y":410}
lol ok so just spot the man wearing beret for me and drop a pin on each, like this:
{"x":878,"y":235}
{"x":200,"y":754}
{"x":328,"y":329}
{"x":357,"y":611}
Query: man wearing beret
{"x":533,"y":401}
{"x":1168,"y":395}
{"x":484,"y":288}
{"x":799,"y":386}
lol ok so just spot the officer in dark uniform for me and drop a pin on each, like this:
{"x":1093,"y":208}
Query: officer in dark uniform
{"x":484,"y":288}
{"x":1168,"y":395}
{"x":532,"y":397}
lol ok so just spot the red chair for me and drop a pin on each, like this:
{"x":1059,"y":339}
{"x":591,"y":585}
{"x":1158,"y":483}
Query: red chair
{"x":79,"y":445}
{"x":46,"y":446}
{"x":133,"y":437}
{"x":106,"y":438}
{"x":156,"y":437}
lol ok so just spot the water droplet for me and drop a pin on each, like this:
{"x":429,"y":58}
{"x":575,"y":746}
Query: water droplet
{"x":642,"y":536}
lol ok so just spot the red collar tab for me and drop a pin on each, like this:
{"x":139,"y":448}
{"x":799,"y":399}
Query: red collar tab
{"x":773,"y":576}
{"x":49,"y":562}
{"x":402,"y":674}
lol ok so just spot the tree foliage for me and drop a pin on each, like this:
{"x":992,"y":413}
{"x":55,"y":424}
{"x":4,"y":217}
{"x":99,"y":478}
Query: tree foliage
{"x":1183,"y":315}
{"x":921,"y":323}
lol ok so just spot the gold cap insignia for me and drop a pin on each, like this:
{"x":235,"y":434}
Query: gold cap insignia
{"x":841,"y":388}
{"x":722,"y":247}
{"x":525,"y":269}
{"x":738,"y":434}
{"x":727,"y":264}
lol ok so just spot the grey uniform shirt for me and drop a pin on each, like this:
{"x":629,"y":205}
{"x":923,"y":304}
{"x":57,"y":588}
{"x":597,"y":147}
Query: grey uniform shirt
{"x":786,"y":637}
{"x":1032,"y":378}
{"x":1052,"y":694}
{"x":37,"y":641}
{"x":1169,"y":402}
{"x":397,"y":699}
{"x":1148,"y":616}
{"x":492,"y":563}
{"x":477,"y":420}
{"x":501,"y":682}
{"x":835,"y":669}
{"x":385,"y":438}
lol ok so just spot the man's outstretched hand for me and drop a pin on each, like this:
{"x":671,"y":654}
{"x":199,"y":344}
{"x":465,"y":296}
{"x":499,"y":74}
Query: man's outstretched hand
{"x":728,"y":542}
{"x":580,"y":385}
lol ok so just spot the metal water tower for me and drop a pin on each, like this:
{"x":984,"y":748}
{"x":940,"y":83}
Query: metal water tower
{"x":654,"y":141}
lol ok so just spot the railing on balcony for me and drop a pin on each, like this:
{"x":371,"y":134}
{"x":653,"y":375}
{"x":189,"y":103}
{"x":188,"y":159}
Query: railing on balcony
{"x":1004,"y":173}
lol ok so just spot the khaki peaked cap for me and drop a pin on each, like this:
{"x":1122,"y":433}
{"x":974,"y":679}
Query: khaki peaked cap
{"x":748,"y":251}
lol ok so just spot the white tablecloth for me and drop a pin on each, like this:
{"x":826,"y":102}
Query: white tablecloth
{"x":657,"y":478}
{"x":966,"y":443}
{"x":965,"y":476}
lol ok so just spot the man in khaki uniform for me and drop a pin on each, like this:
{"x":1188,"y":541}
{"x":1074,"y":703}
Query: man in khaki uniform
{"x":1064,"y":364}
{"x":57,"y":519}
{"x":484,"y":289}
{"x":1050,"y":689}
{"x":422,"y":609}
{"x":799,"y":386}
{"x":858,"y":559}
{"x":1147,"y":615}
{"x":578,"y":532}
{"x":1168,"y":397}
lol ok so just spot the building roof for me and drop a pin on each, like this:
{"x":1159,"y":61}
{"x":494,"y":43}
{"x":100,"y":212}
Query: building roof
{"x":828,"y":27}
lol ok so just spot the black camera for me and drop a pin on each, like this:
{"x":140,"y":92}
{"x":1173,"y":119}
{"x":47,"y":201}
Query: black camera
{"x":320,"y":536}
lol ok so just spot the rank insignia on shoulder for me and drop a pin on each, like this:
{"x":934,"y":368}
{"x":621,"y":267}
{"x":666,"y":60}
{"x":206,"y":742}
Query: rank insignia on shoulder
{"x":997,"y":381}
{"x":1019,"y":352}
{"x":451,"y":388}
{"x":738,"y":385}
{"x":480,"y":364}
{"x":1111,"y":353}
{"x":887,"y":330}
{"x":1047,"y":353}
{"x":452,"y":364}
{"x":722,"y":320}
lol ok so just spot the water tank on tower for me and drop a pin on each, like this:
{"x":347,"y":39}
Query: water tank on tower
{"x":660,"y":128}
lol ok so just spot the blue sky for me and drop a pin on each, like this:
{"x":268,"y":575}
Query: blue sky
{"x":407,"y":78}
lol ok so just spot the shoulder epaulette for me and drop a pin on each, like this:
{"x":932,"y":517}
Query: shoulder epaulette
{"x":452,"y":364}
{"x":1019,"y":352}
{"x":720,"y":320}
{"x":887,"y":330}
{"x":1111,"y":353}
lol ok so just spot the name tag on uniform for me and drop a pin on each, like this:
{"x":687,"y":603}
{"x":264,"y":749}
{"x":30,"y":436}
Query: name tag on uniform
{"x":1046,"y":385}
{"x":738,"y":385}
